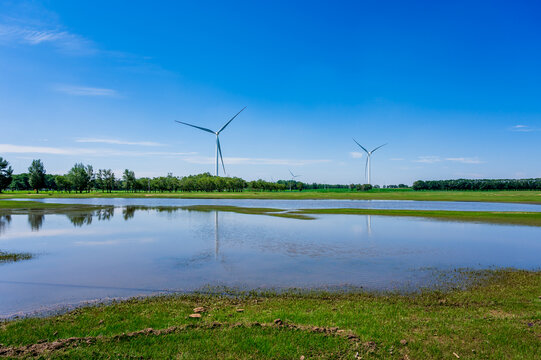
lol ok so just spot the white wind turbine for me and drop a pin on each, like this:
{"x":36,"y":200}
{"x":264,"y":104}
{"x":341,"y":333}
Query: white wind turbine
{"x":368,"y":153}
{"x":293,"y":177}
{"x":217,"y":133}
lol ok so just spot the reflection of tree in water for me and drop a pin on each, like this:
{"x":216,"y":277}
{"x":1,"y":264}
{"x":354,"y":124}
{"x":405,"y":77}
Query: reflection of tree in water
{"x":85,"y":218}
{"x":35,"y":220}
{"x":106,"y":214}
{"x":166,"y":209}
{"x":80,"y":219}
{"x":129,"y":212}
{"x":4,"y":221}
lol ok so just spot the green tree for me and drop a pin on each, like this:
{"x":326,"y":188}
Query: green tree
{"x":62,"y":183}
{"x":91,"y":177}
{"x":36,"y":175}
{"x":99,"y":182}
{"x":79,"y":177}
{"x":109,"y":179}
{"x":20,"y":182}
{"x":5,"y":174}
{"x":50,"y":183}
{"x":129,"y":180}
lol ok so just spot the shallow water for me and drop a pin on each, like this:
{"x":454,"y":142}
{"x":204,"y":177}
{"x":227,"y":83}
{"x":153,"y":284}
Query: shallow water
{"x":305,"y":204}
{"x":123,"y":251}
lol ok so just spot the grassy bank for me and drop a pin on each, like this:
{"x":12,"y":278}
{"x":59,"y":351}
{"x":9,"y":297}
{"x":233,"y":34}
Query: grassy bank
{"x":509,"y":218}
{"x":36,"y":205}
{"x":498,"y":318}
{"x":527,"y":197}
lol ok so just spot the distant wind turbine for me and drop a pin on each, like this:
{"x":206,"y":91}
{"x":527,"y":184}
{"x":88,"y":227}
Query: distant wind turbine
{"x":368,"y":153}
{"x":217,"y":133}
{"x":293,"y":177}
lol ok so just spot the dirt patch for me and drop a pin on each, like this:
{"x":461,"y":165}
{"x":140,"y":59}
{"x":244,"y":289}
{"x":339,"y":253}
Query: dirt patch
{"x":44,"y":347}
{"x":500,"y":314}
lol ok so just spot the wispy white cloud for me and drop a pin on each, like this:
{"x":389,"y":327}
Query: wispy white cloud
{"x":469,"y":175}
{"x":85,"y":91}
{"x":356,"y":154}
{"x":112,"y":242}
{"x":465,"y":160}
{"x":25,"y":23}
{"x":33,"y":35}
{"x":23,"y":149}
{"x":255,"y":161}
{"x":437,"y":159}
{"x":118,"y":142}
{"x":97,"y":243}
{"x":524,"y":128}
{"x":40,"y":234}
{"x":427,"y":159}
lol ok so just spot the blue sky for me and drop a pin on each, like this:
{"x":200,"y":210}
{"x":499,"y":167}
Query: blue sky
{"x":453,"y":87}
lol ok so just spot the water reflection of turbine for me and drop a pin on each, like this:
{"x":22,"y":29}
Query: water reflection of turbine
{"x":216,"y":236}
{"x":369,"y":224}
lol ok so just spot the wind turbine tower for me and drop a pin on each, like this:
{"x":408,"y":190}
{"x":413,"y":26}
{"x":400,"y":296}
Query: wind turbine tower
{"x":217,"y":133}
{"x":369,"y":154}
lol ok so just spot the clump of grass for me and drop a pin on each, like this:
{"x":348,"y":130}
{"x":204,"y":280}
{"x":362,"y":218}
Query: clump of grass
{"x":12,"y":257}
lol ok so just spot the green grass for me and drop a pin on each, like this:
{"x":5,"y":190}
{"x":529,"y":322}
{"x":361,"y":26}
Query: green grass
{"x":528,"y":197}
{"x":496,"y":317}
{"x":35,"y":205}
{"x":504,"y":217}
{"x":12,"y":257}
{"x":509,"y":218}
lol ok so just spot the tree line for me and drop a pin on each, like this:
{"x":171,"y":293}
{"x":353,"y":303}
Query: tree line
{"x":83,"y":178}
{"x":478,"y":184}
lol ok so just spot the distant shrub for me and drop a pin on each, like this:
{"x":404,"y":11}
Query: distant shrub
{"x":478,"y":184}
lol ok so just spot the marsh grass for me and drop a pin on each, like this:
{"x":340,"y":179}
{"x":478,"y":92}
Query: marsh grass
{"x":12,"y":257}
{"x":495,"y":217}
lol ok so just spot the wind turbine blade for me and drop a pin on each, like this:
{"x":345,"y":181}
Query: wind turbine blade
{"x":223,"y":127}
{"x":379,"y":147}
{"x":197,"y":127}
{"x":220,"y":152}
{"x":290,"y":172}
{"x":362,"y":147}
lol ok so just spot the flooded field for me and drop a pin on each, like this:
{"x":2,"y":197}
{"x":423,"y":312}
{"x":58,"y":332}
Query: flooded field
{"x":304,"y":204}
{"x":127,"y":251}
